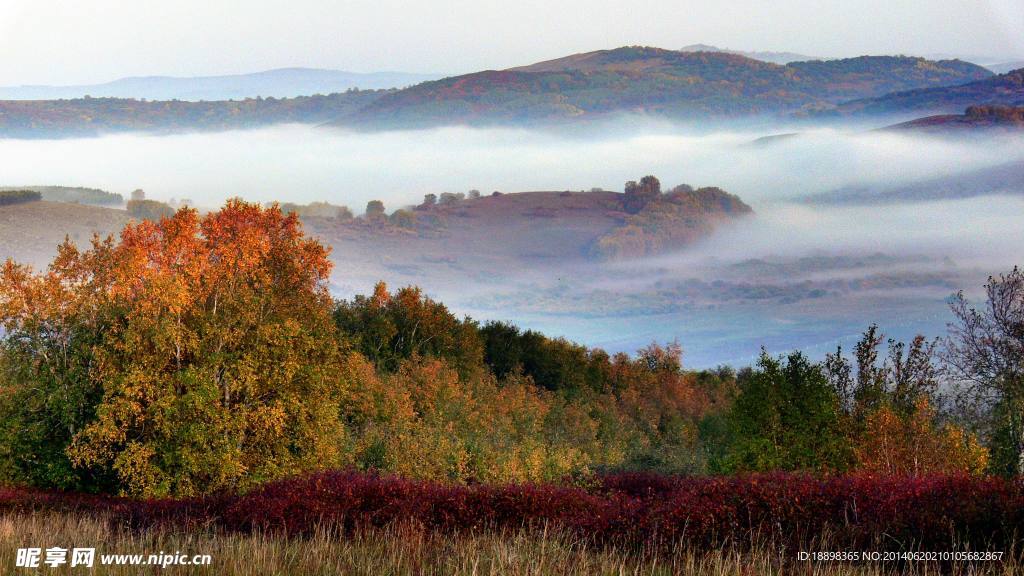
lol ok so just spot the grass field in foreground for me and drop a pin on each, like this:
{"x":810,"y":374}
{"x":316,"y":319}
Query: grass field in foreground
{"x":406,"y":550}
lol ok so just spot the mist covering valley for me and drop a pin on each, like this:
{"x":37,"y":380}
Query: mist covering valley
{"x":817,"y":262}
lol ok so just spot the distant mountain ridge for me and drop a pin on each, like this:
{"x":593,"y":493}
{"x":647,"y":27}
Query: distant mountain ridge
{"x":278,"y":83}
{"x":632,"y":80}
{"x":654,"y":81}
{"x":764,"y":56}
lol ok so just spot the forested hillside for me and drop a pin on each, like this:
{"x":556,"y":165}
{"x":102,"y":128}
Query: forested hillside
{"x":667,"y":83}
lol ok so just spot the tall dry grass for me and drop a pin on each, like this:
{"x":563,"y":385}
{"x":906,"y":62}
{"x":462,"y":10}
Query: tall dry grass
{"x":409,"y":551}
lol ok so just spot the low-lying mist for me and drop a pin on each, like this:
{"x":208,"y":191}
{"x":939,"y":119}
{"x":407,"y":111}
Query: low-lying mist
{"x":303,"y":163}
{"x":796,"y":275}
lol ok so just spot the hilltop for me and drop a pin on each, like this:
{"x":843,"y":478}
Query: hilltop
{"x":1004,"y":89}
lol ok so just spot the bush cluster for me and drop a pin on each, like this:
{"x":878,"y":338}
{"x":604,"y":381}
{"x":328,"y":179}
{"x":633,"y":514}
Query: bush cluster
{"x":622,"y":510}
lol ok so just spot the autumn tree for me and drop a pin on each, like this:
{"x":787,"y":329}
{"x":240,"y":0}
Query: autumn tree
{"x":913,"y":443}
{"x":985,"y":354}
{"x":890,"y":405}
{"x":193,"y":355}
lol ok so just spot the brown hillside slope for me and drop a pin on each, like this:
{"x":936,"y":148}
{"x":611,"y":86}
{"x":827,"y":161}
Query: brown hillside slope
{"x":484,"y":240}
{"x":30,"y":232}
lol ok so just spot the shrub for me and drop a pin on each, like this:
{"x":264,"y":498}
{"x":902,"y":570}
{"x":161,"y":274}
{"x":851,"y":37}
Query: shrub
{"x":646,"y":511}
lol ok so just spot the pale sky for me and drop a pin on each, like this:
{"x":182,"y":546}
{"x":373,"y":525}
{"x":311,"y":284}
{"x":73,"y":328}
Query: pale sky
{"x":74,"y":42}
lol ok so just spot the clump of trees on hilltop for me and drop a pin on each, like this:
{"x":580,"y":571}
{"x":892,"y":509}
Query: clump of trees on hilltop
{"x":198,"y":354}
{"x":658,"y":222}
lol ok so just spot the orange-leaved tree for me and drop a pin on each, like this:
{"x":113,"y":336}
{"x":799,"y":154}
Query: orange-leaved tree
{"x":206,"y":353}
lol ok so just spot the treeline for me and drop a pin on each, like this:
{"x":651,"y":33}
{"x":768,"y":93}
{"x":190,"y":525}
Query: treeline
{"x":199,"y":354}
{"x":93,"y":116}
{"x":72,"y":194}
{"x":9,"y":197}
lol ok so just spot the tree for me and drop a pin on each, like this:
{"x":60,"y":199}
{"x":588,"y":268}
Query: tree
{"x":985,"y":353}
{"x":196,"y":354}
{"x":149,"y":209}
{"x":451,"y":198}
{"x":914,"y":444}
{"x":389,"y":328}
{"x":403,"y":219}
{"x":786,"y":417}
{"x":639,"y":195}
{"x":429,"y":200}
{"x":10,"y":197}
{"x":374,"y":209}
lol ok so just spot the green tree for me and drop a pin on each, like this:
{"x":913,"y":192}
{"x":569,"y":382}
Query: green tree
{"x":786,"y":417}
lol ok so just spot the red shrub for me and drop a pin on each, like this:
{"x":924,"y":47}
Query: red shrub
{"x":629,"y":509}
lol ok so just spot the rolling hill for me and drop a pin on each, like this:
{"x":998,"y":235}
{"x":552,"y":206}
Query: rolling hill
{"x":279,"y":83}
{"x":653,"y":81}
{"x":1004,"y":89}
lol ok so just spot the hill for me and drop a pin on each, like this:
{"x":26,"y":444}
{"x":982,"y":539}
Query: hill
{"x":73,"y":194}
{"x":479,"y":237}
{"x":31,"y":232}
{"x":279,"y":83}
{"x":985,"y":118}
{"x":1004,"y":89}
{"x":653,"y":81}
{"x":95,"y":116}
{"x":486,"y":237}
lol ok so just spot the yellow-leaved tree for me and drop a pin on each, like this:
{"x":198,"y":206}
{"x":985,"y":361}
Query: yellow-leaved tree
{"x":204,"y":354}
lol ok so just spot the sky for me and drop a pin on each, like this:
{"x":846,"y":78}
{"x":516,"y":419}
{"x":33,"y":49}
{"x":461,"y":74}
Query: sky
{"x":60,"y":42}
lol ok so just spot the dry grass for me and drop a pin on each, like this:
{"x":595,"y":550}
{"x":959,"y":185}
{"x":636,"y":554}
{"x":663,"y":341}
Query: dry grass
{"x":395,"y":551}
